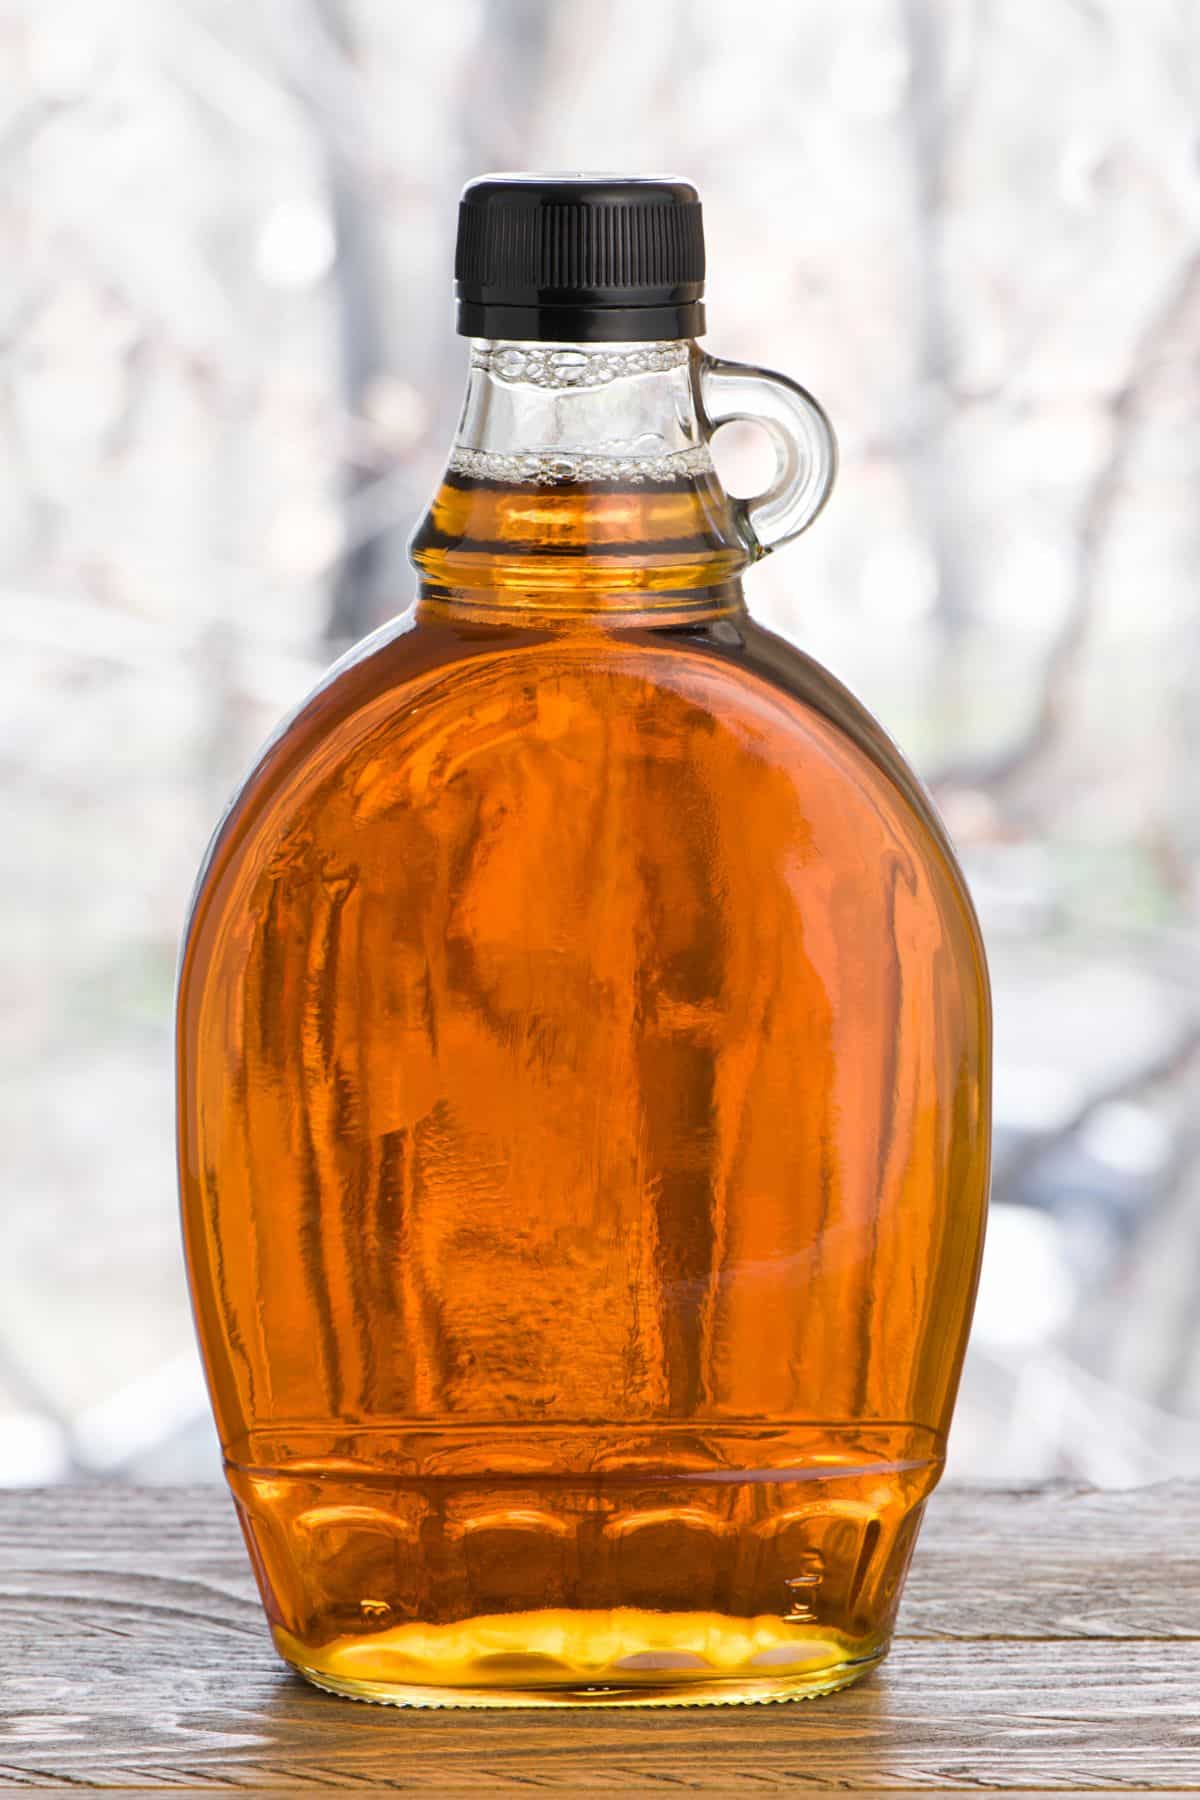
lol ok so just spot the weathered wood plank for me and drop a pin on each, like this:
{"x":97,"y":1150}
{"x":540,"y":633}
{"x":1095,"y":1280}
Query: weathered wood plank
{"x":1050,"y":1641}
{"x":1057,"y":1562}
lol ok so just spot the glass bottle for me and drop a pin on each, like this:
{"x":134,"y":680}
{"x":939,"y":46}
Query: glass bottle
{"x":583,"y":1047}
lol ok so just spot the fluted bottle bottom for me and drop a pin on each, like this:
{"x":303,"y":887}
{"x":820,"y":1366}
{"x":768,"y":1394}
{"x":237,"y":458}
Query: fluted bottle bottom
{"x":624,"y":1657}
{"x":549,"y":1566}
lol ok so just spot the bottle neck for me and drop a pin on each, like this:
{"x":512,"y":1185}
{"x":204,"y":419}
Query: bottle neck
{"x":581,"y":481}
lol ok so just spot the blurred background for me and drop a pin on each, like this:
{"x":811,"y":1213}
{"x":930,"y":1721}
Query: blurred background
{"x":228,"y":378}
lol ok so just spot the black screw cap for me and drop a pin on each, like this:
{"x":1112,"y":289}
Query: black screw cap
{"x":580,"y":258}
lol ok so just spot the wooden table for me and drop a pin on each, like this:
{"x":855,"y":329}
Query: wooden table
{"x":1048,"y":1640}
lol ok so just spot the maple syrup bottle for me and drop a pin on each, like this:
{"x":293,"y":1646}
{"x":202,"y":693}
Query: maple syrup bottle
{"x":583,"y":1043}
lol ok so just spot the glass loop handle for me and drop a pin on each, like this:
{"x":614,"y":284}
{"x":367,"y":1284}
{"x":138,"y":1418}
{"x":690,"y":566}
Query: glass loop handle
{"x":805,"y":447}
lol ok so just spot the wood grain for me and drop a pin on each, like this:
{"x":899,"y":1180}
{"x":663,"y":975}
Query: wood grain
{"x":1049,"y":1641}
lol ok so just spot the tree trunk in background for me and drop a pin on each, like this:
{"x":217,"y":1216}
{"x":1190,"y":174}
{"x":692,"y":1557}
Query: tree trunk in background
{"x":373,"y":578}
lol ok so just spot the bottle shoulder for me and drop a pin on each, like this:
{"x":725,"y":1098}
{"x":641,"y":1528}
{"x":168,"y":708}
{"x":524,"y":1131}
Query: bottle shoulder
{"x":427,"y":699}
{"x":816,"y":689}
{"x":433,"y":661}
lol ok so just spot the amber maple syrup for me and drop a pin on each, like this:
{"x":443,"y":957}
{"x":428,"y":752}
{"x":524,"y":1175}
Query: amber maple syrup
{"x":583,"y":1073}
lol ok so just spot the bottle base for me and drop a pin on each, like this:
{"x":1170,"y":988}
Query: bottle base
{"x":726,"y":1663}
{"x":701,"y":1693}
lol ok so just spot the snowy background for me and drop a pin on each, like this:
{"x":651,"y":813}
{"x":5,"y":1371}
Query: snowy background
{"x":228,"y":375}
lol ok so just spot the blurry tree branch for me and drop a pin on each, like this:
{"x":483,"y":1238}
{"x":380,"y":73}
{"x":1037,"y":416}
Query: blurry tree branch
{"x":1127,"y":406}
{"x":1170,"y":1065}
{"x":28,"y":1391}
{"x":1181,"y":1365}
{"x":370,"y":572}
{"x":373,"y":562}
{"x":931,"y":120}
{"x":122,"y":429}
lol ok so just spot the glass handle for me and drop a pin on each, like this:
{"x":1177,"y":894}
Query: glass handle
{"x":805,"y":447}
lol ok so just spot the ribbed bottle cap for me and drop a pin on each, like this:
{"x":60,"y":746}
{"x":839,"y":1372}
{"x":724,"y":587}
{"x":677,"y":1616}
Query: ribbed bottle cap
{"x":580,"y":258}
